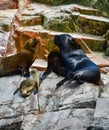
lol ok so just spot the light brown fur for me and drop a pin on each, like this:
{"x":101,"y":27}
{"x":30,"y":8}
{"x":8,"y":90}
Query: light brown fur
{"x":20,"y":62}
{"x":28,"y":85}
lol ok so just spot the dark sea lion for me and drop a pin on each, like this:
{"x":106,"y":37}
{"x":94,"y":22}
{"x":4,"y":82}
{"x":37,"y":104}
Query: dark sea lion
{"x":55,"y":64}
{"x":29,"y":85}
{"x":20,"y":62}
{"x":78,"y":66}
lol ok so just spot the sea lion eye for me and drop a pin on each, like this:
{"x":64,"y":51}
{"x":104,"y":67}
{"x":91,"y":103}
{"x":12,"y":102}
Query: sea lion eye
{"x":34,"y":42}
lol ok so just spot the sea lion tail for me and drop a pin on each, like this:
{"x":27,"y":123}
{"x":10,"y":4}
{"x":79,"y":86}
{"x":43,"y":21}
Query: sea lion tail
{"x":16,"y":91}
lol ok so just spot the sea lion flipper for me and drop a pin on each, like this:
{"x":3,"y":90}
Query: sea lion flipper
{"x":61,"y":83}
{"x":25,"y":72}
{"x":16,"y":91}
{"x":35,"y":91}
{"x":45,"y":74}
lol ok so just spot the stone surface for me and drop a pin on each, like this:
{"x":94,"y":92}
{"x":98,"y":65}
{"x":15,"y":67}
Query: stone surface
{"x":105,"y":90}
{"x":3,"y":42}
{"x":99,"y":124}
{"x":8,"y":4}
{"x":102,"y":5}
{"x":84,"y":96}
{"x":14,"y":106}
{"x":66,"y":119}
{"x":47,"y":44}
{"x":6,"y":18}
{"x":40,"y":21}
{"x":67,"y":18}
{"x":73,"y":103}
{"x":107,"y":44}
{"x":101,"y":113}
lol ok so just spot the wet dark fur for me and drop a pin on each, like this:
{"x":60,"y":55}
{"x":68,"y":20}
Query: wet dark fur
{"x":55,"y":64}
{"x":78,"y":66}
{"x":20,"y":62}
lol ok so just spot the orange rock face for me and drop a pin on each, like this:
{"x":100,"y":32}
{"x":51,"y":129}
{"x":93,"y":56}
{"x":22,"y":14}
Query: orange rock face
{"x":8,"y":4}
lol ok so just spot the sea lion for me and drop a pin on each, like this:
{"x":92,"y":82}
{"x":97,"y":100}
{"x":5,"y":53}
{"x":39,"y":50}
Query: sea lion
{"x":78,"y":66}
{"x":26,"y":87}
{"x":29,"y":85}
{"x":20,"y":62}
{"x":55,"y":64}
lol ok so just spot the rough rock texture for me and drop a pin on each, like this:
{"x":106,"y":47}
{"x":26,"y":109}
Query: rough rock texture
{"x":66,"y":18}
{"x":44,"y":22}
{"x":75,"y":108}
{"x":84,"y":107}
{"x":8,"y":4}
{"x":107,"y":45}
{"x":6,"y":18}
{"x":102,"y":5}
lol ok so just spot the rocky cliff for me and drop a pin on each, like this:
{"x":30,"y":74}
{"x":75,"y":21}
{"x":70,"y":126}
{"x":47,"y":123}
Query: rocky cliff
{"x":68,"y":108}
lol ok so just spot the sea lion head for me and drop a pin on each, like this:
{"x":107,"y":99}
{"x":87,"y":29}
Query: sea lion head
{"x":66,"y":42}
{"x":31,"y":44}
{"x":26,"y":87}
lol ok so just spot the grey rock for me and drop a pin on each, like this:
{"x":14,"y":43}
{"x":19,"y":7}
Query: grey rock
{"x":13,"y":108}
{"x":12,"y":126}
{"x":102,"y":108}
{"x":99,"y":124}
{"x":65,"y":119}
{"x":7,"y":87}
{"x":67,"y":96}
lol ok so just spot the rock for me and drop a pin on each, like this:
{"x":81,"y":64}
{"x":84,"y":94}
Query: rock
{"x":107,"y":44}
{"x":40,"y":64}
{"x":61,"y":22}
{"x":8,"y":4}
{"x":69,"y":107}
{"x":12,"y":126}
{"x":100,"y":59}
{"x":101,"y":5}
{"x":66,"y":119}
{"x":101,"y":117}
{"x":95,"y":128}
{"x":31,"y":20}
{"x":47,"y":44}
{"x":84,"y":96}
{"x":3,"y":42}
{"x":71,"y":22}
{"x":66,"y":18}
{"x":105,"y":89}
{"x":101,"y":111}
{"x":14,"y":107}
{"x":99,"y":124}
{"x":6,"y":18}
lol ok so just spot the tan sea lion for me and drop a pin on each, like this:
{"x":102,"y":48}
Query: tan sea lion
{"x":20,"y":62}
{"x":29,"y":85}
